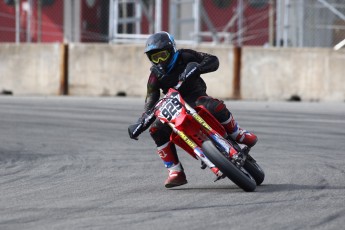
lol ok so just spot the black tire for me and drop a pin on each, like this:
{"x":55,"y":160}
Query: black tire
{"x":254,"y":170}
{"x":250,"y":165}
{"x":240,"y":178}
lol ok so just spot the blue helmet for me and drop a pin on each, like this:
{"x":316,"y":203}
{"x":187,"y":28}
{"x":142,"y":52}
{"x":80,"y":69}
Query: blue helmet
{"x":161,"y":49}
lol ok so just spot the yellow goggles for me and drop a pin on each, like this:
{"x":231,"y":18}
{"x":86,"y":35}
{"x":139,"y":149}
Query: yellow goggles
{"x":160,"y":56}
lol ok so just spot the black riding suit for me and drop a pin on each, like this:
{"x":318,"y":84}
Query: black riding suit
{"x":193,"y":90}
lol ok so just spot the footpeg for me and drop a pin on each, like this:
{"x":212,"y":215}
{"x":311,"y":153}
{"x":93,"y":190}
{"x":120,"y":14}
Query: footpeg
{"x":240,"y":158}
{"x":218,"y":173}
{"x":203,"y":165}
{"x":219,"y":177}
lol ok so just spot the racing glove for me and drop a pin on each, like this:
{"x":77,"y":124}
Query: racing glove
{"x":135,"y":130}
{"x":192,"y":69}
{"x":140,"y":126}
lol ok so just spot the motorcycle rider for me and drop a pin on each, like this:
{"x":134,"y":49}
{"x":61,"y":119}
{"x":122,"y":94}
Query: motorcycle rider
{"x":170,"y":65}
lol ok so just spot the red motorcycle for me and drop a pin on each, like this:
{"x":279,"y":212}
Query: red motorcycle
{"x":200,"y":134}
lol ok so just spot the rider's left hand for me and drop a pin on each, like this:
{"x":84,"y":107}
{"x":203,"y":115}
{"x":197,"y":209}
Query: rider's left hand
{"x":192,"y":69}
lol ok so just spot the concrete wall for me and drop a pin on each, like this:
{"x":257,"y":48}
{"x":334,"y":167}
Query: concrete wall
{"x":30,"y":69}
{"x":277,"y":74}
{"x":103,"y":69}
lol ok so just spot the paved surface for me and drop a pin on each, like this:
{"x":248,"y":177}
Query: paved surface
{"x":67,"y":163}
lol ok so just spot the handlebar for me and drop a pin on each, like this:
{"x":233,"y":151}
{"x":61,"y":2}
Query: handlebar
{"x":178,"y":85}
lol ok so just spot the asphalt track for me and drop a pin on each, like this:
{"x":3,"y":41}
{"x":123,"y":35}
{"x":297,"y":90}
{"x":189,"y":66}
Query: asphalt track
{"x":67,"y":163}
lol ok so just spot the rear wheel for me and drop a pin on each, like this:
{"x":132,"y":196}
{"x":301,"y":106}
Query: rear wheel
{"x":254,"y":170}
{"x":250,"y":164}
{"x":237,"y":175}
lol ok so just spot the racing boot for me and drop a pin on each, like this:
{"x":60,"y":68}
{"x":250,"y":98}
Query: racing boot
{"x":238,"y":134}
{"x":176,"y":176}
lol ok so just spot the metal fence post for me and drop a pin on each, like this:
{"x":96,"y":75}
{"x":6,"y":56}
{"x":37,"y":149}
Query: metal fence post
{"x":17,"y":2}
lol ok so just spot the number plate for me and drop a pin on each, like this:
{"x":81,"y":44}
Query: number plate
{"x":170,"y":109}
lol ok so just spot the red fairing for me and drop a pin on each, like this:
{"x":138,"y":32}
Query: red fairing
{"x":193,"y":129}
{"x":179,"y":142}
{"x":186,"y":123}
{"x":210,"y":120}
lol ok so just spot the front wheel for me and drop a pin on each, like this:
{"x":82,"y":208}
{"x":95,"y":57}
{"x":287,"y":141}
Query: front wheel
{"x":237,"y":175}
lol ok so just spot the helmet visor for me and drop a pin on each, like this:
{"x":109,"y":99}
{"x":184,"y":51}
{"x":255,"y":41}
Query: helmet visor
{"x":160,"y":56}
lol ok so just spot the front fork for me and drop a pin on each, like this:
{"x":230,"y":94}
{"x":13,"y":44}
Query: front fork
{"x":196,"y":149}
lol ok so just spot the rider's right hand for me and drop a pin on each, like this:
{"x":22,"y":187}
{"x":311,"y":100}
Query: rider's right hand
{"x":135,"y":130}
{"x":140,"y":126}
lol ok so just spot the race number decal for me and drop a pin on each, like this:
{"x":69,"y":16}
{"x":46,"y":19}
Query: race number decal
{"x":171,"y":109}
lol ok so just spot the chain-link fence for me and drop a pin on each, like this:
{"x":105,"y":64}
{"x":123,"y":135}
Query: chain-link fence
{"x":310,"y":23}
{"x":54,"y":20}
{"x":31,"y":21}
{"x":293,"y":23}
